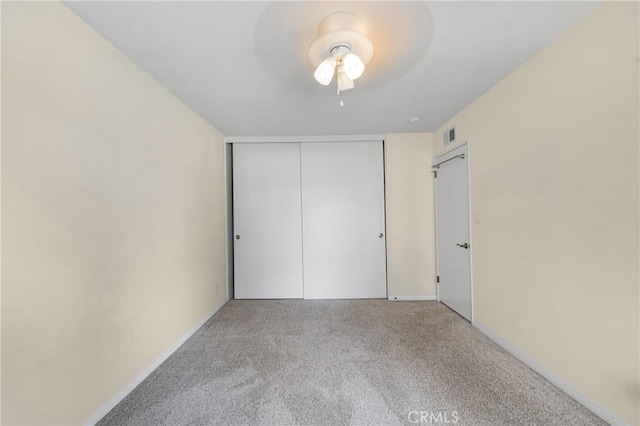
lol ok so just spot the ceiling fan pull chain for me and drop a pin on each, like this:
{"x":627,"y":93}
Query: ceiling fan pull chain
{"x":340,"y":95}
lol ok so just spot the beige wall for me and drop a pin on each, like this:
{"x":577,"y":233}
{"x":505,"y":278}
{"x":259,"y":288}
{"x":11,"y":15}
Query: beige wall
{"x":113,"y":216}
{"x":410,"y":215}
{"x":554,"y":172}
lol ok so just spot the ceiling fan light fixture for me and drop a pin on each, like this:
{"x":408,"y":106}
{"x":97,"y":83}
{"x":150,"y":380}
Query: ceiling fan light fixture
{"x":341,"y":48}
{"x":353,"y":66}
{"x":324,"y":72}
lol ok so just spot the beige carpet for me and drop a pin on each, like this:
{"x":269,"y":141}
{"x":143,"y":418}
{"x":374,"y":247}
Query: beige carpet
{"x":343,"y":362}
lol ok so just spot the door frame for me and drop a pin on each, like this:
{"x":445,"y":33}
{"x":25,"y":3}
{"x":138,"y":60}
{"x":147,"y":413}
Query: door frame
{"x":436,"y":158}
{"x":228,"y":163}
{"x":229,"y":141}
{"x":302,"y":139}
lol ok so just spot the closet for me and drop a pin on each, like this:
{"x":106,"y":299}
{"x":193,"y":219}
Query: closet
{"x":309,"y":220}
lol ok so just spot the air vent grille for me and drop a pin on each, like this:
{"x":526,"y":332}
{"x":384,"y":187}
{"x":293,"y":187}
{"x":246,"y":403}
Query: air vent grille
{"x":449,"y":136}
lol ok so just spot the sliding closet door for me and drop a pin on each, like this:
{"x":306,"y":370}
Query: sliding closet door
{"x":267,"y":221}
{"x":343,"y":220}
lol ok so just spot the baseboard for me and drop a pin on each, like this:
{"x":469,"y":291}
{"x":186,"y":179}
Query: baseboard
{"x":102,"y":411}
{"x":574,"y":393}
{"x":405,"y":298}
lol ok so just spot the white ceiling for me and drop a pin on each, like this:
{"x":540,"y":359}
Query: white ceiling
{"x":243,"y":65}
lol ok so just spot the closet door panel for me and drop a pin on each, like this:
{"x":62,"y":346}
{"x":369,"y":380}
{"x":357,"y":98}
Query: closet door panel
{"x":267,"y":221}
{"x":343,"y":220}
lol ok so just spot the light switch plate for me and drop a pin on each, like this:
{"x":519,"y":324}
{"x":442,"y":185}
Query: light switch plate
{"x":477,"y":218}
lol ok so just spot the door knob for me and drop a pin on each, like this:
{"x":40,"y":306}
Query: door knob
{"x":237,"y":237}
{"x":464,"y":246}
{"x":380,"y":235}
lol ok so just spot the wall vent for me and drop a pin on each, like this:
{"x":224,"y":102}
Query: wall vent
{"x":449,"y":136}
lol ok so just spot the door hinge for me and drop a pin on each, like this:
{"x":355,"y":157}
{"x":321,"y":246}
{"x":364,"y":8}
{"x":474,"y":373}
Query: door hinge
{"x":438,"y":278}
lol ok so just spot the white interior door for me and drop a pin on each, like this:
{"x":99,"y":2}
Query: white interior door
{"x":267,"y":221}
{"x":452,"y":219}
{"x":343,"y":220}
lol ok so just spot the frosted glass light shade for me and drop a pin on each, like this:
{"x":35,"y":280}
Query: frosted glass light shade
{"x":324,"y":72}
{"x":353,"y":66}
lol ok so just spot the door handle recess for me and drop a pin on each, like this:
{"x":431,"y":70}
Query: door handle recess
{"x":464,"y":246}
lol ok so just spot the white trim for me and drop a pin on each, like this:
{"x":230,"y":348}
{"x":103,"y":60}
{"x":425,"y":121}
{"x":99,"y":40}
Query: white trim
{"x":335,"y":138}
{"x":469,"y":219}
{"x":405,"y":298}
{"x":435,"y":232}
{"x":228,"y":217}
{"x":446,"y":150}
{"x":574,"y":393}
{"x":109,"y":405}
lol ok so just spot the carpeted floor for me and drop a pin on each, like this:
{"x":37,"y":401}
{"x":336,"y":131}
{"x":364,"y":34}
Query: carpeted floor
{"x":338,"y":362}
